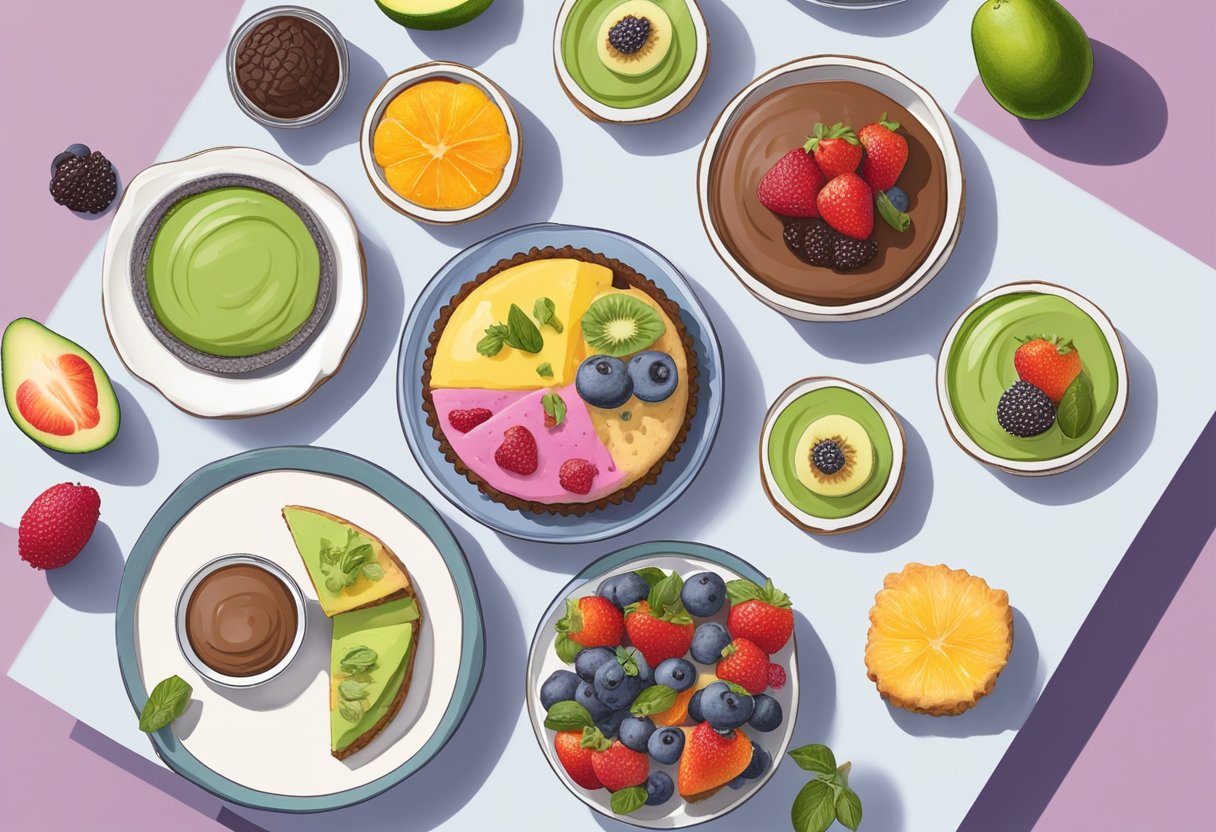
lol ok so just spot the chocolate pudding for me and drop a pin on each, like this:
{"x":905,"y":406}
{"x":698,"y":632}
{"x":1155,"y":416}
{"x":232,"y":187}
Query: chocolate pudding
{"x":288,"y":67}
{"x":782,"y":121}
{"x":241,"y":620}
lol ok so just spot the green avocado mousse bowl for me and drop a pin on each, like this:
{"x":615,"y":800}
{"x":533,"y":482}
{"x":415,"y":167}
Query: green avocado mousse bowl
{"x":832,"y":455}
{"x":1032,"y":379}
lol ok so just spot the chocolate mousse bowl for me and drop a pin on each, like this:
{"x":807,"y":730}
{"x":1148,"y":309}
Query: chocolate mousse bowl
{"x":240,"y":620}
{"x":774,"y":115}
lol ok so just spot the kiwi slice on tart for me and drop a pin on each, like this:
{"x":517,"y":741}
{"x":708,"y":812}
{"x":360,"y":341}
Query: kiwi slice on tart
{"x":834,"y":456}
{"x":619,"y":325}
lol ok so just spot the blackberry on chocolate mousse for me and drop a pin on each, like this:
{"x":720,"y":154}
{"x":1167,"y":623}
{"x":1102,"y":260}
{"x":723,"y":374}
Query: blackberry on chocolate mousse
{"x":84,"y":183}
{"x":853,"y":254}
{"x":812,"y":241}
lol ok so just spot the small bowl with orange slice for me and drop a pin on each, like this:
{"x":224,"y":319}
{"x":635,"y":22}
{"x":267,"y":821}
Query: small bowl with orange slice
{"x":441,"y":143}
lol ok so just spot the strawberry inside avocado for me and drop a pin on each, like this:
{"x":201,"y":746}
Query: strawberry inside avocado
{"x":55,"y":390}
{"x":432,"y":14}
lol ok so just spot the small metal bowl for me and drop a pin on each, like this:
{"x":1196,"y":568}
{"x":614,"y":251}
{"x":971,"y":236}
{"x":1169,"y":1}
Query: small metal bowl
{"x":256,"y":113}
{"x":183,"y":641}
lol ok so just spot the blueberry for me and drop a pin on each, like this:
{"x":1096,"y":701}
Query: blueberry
{"x":694,"y":707}
{"x":614,"y":687}
{"x":767,"y":714}
{"x":761,"y":760}
{"x":589,"y":660}
{"x":610,"y":726}
{"x":666,"y":745}
{"x":624,"y":590}
{"x":725,"y":709}
{"x":707,"y":642}
{"x":585,"y":696}
{"x":635,"y":732}
{"x":559,"y":687}
{"x":659,"y":788}
{"x":703,"y":594}
{"x":677,"y":674}
{"x":80,"y":150}
{"x":654,"y":376}
{"x":898,"y":198}
{"x":603,"y":381}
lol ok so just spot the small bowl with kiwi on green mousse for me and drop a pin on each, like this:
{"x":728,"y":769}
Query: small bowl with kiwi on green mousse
{"x":1032,"y":379}
{"x":630,"y":61}
{"x":831,"y":455}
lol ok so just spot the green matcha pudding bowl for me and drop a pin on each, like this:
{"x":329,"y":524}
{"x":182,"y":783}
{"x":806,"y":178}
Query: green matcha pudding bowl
{"x":630,"y":61}
{"x":832,"y":455}
{"x":1038,"y":430}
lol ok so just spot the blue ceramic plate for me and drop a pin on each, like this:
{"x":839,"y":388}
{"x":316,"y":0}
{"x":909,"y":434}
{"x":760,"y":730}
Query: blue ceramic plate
{"x":597,"y":525}
{"x":267,"y":746}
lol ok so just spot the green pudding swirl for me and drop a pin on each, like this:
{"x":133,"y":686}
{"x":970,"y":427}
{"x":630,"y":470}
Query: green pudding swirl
{"x":233,"y":272}
{"x":980,"y":368}
{"x":581,"y":57}
{"x":788,"y":429}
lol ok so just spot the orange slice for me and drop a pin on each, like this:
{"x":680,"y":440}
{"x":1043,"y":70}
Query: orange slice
{"x":443,"y":145}
{"x":938,"y":639}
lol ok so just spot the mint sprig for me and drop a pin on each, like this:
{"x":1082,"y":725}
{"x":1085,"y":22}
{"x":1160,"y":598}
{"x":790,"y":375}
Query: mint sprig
{"x":555,"y":409}
{"x":653,"y":700}
{"x":519,"y":332}
{"x":627,"y":801}
{"x":664,"y":601}
{"x":568,"y":716}
{"x":894,"y":217}
{"x":544,"y":311}
{"x":342,"y":565}
{"x":827,"y":798}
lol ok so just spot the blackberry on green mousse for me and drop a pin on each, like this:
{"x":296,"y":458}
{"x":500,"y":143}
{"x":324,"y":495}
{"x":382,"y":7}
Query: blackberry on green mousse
{"x":1025,"y":411}
{"x":630,"y":34}
{"x":828,"y":456}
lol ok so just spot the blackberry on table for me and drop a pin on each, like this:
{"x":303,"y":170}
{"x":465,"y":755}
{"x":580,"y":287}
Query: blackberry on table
{"x":86,"y":184}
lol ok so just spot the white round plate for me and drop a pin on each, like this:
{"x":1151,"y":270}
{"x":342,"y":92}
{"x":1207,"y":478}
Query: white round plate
{"x":452,"y":72}
{"x":896,"y":86}
{"x":269,"y":746}
{"x":190,"y":388}
{"x":687,"y":559}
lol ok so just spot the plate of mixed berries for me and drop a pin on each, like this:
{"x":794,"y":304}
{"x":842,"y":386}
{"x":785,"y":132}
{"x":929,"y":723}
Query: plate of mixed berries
{"x":663,"y":683}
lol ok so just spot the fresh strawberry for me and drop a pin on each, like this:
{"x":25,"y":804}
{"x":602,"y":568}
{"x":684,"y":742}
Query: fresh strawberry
{"x":886,"y":153}
{"x":776,"y":676}
{"x":847,"y":204}
{"x":517,"y":453}
{"x":576,"y":759}
{"x":616,"y":766}
{"x":464,"y":421}
{"x":837,"y":150}
{"x":1050,"y":364}
{"x":576,"y":475}
{"x":711,"y":760}
{"x":591,"y":621}
{"x":791,"y":185}
{"x":57,"y":525}
{"x":761,"y":614}
{"x":660,"y":626}
{"x":745,"y":664}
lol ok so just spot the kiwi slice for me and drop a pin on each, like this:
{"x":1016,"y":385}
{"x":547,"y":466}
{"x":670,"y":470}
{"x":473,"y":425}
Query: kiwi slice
{"x":619,"y":325}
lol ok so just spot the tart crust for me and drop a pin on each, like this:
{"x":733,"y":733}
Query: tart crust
{"x":623,"y":276}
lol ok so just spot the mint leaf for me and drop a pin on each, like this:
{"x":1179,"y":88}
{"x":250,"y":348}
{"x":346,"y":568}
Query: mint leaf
{"x":653,"y":700}
{"x":358,"y":660}
{"x":1076,"y":408}
{"x":336,"y":583}
{"x":351,"y":690}
{"x":650,"y":574}
{"x":628,"y":800}
{"x":372,"y":571}
{"x":894,"y":217}
{"x":350,"y":711}
{"x":167,"y":701}
{"x":627,"y":659}
{"x":522,"y":334}
{"x":568,"y":716}
{"x":492,"y":344}
{"x":567,"y":648}
{"x":545,"y":370}
{"x":814,"y":808}
{"x":816,"y":758}
{"x":543,"y":310}
{"x":555,"y":407}
{"x":848,"y":808}
{"x":664,"y":598}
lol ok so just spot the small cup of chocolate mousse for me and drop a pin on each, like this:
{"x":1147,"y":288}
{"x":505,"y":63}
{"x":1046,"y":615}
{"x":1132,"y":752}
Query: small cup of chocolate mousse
{"x":287,"y":66}
{"x":240,"y":620}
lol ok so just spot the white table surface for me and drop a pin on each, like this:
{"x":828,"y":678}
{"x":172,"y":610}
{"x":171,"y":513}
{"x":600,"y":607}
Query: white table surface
{"x":1051,"y":543}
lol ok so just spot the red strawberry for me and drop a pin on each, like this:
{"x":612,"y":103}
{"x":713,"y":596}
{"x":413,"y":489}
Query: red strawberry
{"x":760,"y":614}
{"x":776,"y":676}
{"x":517,"y":453}
{"x":576,"y":759}
{"x":465,"y":420}
{"x":57,"y":525}
{"x":791,"y":185}
{"x":886,"y":153}
{"x":711,"y":760}
{"x":576,"y":475}
{"x":592,"y":621}
{"x":659,"y":636}
{"x":616,"y":766}
{"x":745,"y":664}
{"x":847,"y":204}
{"x":836,"y":149}
{"x":1050,"y":364}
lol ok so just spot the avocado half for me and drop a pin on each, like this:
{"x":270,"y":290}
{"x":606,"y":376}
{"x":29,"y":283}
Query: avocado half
{"x":432,"y":14}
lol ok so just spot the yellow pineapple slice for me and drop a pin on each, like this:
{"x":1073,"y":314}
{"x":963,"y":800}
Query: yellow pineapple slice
{"x":938,"y":639}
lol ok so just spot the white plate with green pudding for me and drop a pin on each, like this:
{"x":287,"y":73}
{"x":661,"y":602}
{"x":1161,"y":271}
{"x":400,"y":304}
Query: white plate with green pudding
{"x":832,"y":455}
{"x":630,"y":61}
{"x":1032,"y":379}
{"x":233,"y":282}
